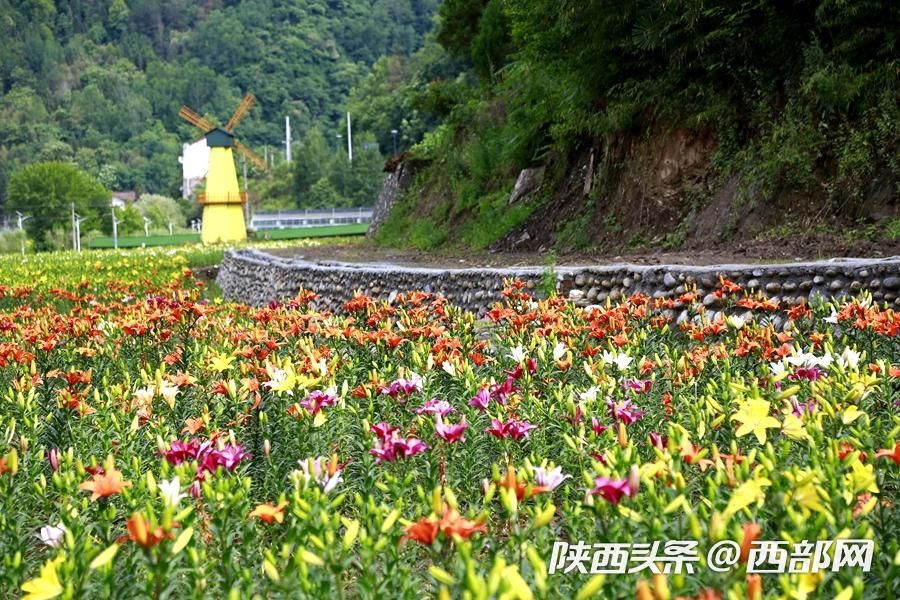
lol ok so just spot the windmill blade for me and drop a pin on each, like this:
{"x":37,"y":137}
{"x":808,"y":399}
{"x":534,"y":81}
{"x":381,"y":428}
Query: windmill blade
{"x":245,"y":105}
{"x":252,"y":156}
{"x":196,"y":120}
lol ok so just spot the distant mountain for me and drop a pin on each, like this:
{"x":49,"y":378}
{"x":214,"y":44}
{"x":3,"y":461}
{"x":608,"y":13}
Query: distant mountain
{"x":100,"y":82}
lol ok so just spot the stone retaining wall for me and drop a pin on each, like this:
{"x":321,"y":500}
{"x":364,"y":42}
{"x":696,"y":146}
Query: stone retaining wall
{"x":257,"y":278}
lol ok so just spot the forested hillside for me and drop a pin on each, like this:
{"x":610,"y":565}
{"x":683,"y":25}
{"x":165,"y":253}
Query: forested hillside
{"x":649,"y":123}
{"x":99,"y":83}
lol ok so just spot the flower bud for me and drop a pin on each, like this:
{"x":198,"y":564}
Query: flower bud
{"x":53,"y":457}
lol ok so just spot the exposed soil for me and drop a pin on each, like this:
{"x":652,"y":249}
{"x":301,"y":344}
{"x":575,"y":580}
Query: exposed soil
{"x":781,"y":250}
{"x":659,"y":189}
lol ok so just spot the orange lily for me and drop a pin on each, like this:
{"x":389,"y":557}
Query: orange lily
{"x":894,"y":454}
{"x":103,"y":485}
{"x":424,"y":531}
{"x":139,"y":532}
{"x":751,"y":534}
{"x":523,"y":490}
{"x":453,"y":524}
{"x":268,"y":513}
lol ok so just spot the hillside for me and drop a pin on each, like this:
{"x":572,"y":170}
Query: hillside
{"x":100,"y":83}
{"x":634,"y":125}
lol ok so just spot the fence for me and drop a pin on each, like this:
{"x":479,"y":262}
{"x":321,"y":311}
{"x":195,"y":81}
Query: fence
{"x":299,"y":219}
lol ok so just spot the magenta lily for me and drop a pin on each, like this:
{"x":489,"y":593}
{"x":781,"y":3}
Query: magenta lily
{"x":451,"y":432}
{"x":511,"y":429}
{"x":437,"y":407}
{"x":612,"y":490}
{"x":625,"y":412}
{"x":481,"y":399}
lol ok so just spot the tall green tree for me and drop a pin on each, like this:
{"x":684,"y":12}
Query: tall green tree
{"x":47,"y":191}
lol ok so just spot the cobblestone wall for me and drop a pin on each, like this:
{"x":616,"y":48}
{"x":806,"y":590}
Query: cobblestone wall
{"x":257,"y":278}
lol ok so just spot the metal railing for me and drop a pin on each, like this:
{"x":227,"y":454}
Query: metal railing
{"x":298,"y":219}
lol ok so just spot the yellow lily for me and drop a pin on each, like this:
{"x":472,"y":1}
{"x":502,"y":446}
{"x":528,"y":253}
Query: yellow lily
{"x":47,"y":584}
{"x":754,"y":418}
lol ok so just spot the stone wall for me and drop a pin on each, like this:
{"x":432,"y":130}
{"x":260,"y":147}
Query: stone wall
{"x":257,"y":278}
{"x":399,"y":178}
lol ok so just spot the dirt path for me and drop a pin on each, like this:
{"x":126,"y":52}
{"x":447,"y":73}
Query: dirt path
{"x":786,"y":250}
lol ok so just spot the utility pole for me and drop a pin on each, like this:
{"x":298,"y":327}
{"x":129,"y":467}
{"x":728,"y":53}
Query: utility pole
{"x":349,"y":139}
{"x":115,"y":223}
{"x":78,"y":220}
{"x":246,"y":196}
{"x":287,"y":139}
{"x":74,"y":242}
{"x":21,"y":219}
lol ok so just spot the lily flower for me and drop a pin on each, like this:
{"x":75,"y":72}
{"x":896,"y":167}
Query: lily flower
{"x":807,"y":374}
{"x":611,"y":490}
{"x":523,"y":489}
{"x":403,"y":386}
{"x":47,"y":584}
{"x":625,"y":412}
{"x":318,"y":399}
{"x":893,"y":455}
{"x":436,"y":407}
{"x":268,"y":513}
{"x":424,"y":531}
{"x":640,"y":386}
{"x":383,"y":431}
{"x":229,"y":456}
{"x":754,"y":418}
{"x":451,"y":432}
{"x":52,"y":535}
{"x":597,"y":426}
{"x":453,"y":525}
{"x":511,"y":429}
{"x":621,"y":360}
{"x":450,"y":523}
{"x":481,"y":399}
{"x":170,"y":491}
{"x":503,"y":390}
{"x":168,"y":391}
{"x":103,"y":485}
{"x":396,"y":447}
{"x":325,"y":472}
{"x":550,"y":480}
{"x":139,"y":532}
{"x":518,"y":354}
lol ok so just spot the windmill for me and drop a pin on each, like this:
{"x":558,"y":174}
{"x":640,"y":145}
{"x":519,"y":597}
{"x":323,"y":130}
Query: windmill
{"x":223,"y":201}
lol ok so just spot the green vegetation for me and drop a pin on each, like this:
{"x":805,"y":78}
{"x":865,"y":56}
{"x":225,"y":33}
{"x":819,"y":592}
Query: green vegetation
{"x":99,"y":84}
{"x":802,"y":97}
{"x":49,"y":192}
{"x":312,"y":232}
{"x":140,"y":241}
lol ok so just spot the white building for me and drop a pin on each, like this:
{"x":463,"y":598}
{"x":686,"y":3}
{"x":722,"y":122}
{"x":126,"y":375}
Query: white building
{"x":194,"y":161}
{"x":120,"y":199}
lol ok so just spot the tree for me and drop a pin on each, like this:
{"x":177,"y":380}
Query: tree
{"x":47,"y":190}
{"x":161,"y":210}
{"x":131,"y":221}
{"x":310,"y":163}
{"x":492,"y":44}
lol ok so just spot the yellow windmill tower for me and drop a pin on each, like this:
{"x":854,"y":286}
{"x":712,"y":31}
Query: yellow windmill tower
{"x":223,"y":201}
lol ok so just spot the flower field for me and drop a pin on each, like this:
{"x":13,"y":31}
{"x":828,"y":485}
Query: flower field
{"x":156,"y":443}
